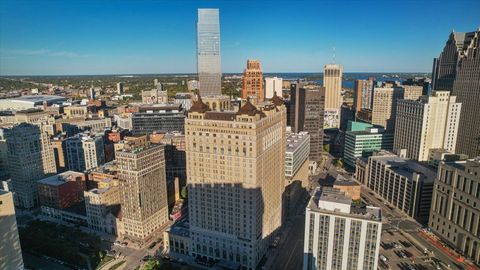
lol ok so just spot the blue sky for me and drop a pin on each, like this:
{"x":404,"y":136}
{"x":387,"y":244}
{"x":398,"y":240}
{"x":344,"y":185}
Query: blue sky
{"x":119,"y":37}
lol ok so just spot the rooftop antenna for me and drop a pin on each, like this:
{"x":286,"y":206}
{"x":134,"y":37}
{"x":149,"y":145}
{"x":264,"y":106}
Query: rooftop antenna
{"x":334,"y":54}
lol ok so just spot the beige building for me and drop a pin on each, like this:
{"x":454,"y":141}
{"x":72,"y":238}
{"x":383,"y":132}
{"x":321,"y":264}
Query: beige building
{"x":25,"y":162}
{"x":99,"y":202}
{"x":235,"y":181}
{"x":154,"y":96}
{"x":454,"y":215}
{"x":141,"y":173}
{"x":332,"y":81}
{"x":76,"y":112}
{"x":10,"y":249}
{"x":384,"y":105}
{"x":426,"y":124}
{"x":217,"y":103}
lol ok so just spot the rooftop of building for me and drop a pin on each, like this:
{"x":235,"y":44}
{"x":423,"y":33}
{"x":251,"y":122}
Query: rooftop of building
{"x":294,"y":140}
{"x":404,"y":167}
{"x":334,"y":201}
{"x":136,"y":149}
{"x":38,"y":98}
{"x":99,"y":191}
{"x":343,"y":181}
{"x":61,"y":178}
{"x":464,"y":164}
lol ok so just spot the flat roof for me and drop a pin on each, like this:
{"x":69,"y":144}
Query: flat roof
{"x":405,"y":167}
{"x":294,"y":140}
{"x":59,"y":179}
{"x":38,"y":98}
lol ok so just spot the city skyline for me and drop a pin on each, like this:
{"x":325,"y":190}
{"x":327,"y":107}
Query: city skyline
{"x":93,"y":39}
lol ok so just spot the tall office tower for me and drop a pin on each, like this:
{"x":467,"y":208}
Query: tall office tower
{"x":234,"y":181}
{"x":44,"y":121}
{"x":120,"y":88}
{"x":384,"y":105}
{"x":25,"y":165}
{"x":92,"y":93}
{"x":467,"y":90}
{"x":253,"y":81}
{"x":141,"y":173}
{"x":85,"y":151}
{"x":445,"y":67}
{"x":273,"y":85}
{"x":339,"y":234}
{"x":208,"y":52}
{"x":363,"y":94}
{"x":426,"y":124}
{"x":404,"y":183}
{"x":332,"y":81}
{"x":306,"y":114}
{"x":455,"y":217}
{"x":10,"y":249}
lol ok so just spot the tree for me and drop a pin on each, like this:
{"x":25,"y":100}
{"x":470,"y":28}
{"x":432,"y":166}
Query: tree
{"x":184,"y":192}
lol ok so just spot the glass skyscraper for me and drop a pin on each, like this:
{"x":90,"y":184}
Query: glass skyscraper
{"x":208,"y":52}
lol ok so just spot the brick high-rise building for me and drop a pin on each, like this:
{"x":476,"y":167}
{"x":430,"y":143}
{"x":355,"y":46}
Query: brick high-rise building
{"x":141,"y":173}
{"x":363,"y":94}
{"x":253,"y":81}
{"x":235,"y":181}
{"x":306,"y":114}
{"x":467,"y":90}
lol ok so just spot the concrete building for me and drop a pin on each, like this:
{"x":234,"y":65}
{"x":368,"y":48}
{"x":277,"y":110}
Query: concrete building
{"x":76,"y":111}
{"x":218,"y":103}
{"x":273,"y":85}
{"x":61,"y":191}
{"x":253,"y":81}
{"x":208,"y":52}
{"x":120,"y":90}
{"x":141,"y":173}
{"x":332,"y":81}
{"x":85,"y":151}
{"x":296,"y":171}
{"x":363,"y":94}
{"x":185,"y":99}
{"x":339,"y":234}
{"x":384,"y":105}
{"x":75,"y":125}
{"x":10,"y":249}
{"x":455,"y":216}
{"x":428,"y":123}
{"x":25,"y":162}
{"x":363,"y":141}
{"x":234,"y":182}
{"x":403,"y":183}
{"x":99,"y":203}
{"x":467,"y":90}
{"x":306,"y":114}
{"x":351,"y":188}
{"x":154,"y":96}
{"x":445,"y":66}
{"x":162,"y":119}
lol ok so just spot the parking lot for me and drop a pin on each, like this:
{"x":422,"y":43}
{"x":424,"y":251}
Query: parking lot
{"x":397,"y":252}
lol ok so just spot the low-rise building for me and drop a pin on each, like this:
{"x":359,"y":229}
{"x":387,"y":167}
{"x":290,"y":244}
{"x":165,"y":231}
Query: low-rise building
{"x":362,"y":142}
{"x":405,"y":184}
{"x":62,"y":191}
{"x":99,"y":202}
{"x":176,"y":239}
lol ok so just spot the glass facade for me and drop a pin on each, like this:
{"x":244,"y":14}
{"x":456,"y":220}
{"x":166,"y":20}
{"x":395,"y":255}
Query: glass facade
{"x":208,"y":52}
